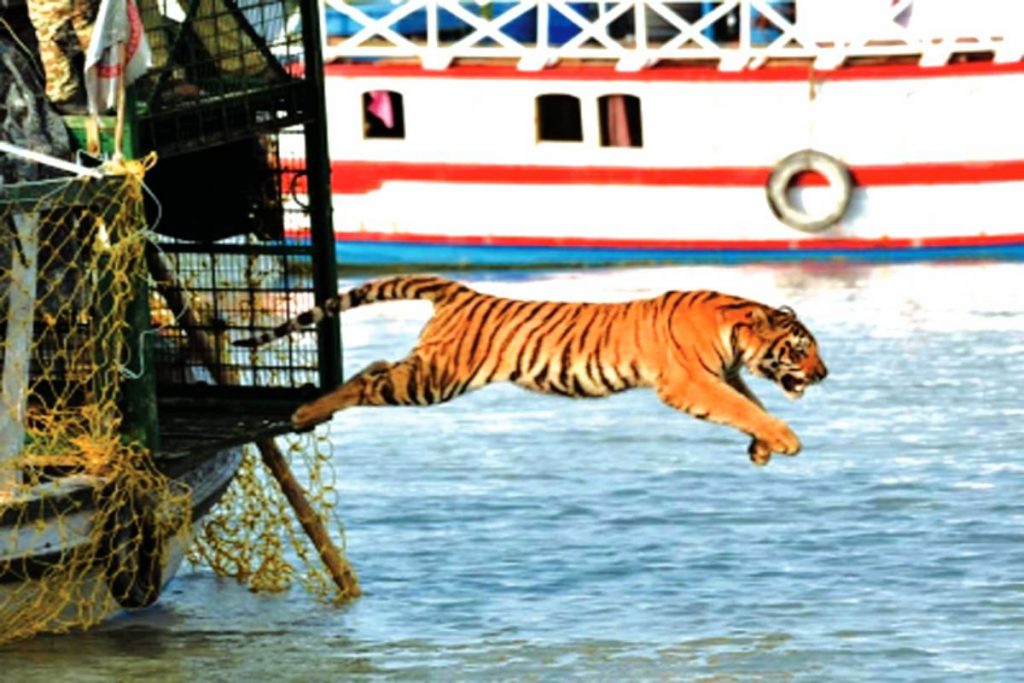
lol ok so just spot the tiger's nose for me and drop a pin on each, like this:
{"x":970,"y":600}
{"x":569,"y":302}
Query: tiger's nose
{"x":820,"y":373}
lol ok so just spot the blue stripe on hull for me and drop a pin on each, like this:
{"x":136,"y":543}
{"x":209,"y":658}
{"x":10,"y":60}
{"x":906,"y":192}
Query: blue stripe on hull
{"x":384,"y":254}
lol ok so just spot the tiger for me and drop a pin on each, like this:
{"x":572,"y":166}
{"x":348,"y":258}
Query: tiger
{"x":688,"y":346}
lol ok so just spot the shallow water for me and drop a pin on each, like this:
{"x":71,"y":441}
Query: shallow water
{"x":510,"y":536}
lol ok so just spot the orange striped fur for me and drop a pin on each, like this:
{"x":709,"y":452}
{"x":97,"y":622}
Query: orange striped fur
{"x":687,"y":346}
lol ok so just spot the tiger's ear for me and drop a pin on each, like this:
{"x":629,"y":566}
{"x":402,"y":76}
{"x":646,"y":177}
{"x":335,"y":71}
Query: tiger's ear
{"x":783,"y":314}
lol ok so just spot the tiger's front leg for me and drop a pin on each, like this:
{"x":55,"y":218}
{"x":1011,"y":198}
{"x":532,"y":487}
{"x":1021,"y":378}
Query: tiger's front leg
{"x":710,"y":399}
{"x":759,"y":451}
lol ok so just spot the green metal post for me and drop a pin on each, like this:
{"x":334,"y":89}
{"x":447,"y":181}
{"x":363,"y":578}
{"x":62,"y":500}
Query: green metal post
{"x":138,"y":391}
{"x":318,"y":176}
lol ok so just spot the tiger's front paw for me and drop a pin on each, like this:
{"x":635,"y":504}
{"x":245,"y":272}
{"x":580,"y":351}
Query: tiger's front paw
{"x":759,"y":453}
{"x":779,"y":439}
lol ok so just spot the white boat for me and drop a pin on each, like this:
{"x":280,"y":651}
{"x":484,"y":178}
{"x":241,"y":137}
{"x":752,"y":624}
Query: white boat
{"x":524,"y":133}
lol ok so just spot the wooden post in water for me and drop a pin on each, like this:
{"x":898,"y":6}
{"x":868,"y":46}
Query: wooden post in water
{"x":341,"y":572}
{"x":172,"y":291}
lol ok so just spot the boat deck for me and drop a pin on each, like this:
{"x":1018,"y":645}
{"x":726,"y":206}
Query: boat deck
{"x":195,"y":431}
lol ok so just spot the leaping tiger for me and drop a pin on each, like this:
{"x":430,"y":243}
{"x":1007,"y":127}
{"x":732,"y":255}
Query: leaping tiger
{"x":688,"y":346}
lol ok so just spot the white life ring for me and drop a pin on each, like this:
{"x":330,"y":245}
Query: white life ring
{"x":837,"y":175}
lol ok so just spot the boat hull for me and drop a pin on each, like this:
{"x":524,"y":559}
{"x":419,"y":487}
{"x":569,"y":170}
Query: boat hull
{"x":935,"y":164}
{"x":41,"y":531}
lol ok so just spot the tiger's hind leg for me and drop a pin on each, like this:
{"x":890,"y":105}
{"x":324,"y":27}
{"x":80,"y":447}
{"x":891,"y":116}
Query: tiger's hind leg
{"x":347,"y":395}
{"x":408,"y":382}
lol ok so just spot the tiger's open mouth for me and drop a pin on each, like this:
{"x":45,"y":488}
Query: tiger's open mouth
{"x":793,"y":386}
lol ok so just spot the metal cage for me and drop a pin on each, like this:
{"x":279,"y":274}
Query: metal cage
{"x":234,"y":110}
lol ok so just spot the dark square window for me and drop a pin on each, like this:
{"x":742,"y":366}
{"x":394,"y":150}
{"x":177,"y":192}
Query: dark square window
{"x":383,"y":114}
{"x":558,"y":118}
{"x":620,"y":121}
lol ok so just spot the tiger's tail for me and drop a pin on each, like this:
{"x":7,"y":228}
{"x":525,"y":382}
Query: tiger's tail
{"x":428,"y":287}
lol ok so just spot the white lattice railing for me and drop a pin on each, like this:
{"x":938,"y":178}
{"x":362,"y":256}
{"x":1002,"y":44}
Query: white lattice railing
{"x":637,"y":34}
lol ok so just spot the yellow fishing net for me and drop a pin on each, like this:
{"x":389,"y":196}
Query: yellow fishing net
{"x":82,"y":509}
{"x":88,"y":524}
{"x":249,"y":534}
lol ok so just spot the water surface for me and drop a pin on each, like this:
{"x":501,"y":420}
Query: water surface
{"x":511,"y":536}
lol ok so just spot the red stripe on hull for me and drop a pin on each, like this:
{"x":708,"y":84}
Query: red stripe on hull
{"x":360,"y":177}
{"x":711,"y":245}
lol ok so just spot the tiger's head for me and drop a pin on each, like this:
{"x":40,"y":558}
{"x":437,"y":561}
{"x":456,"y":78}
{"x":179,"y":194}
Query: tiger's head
{"x":779,"y":348}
